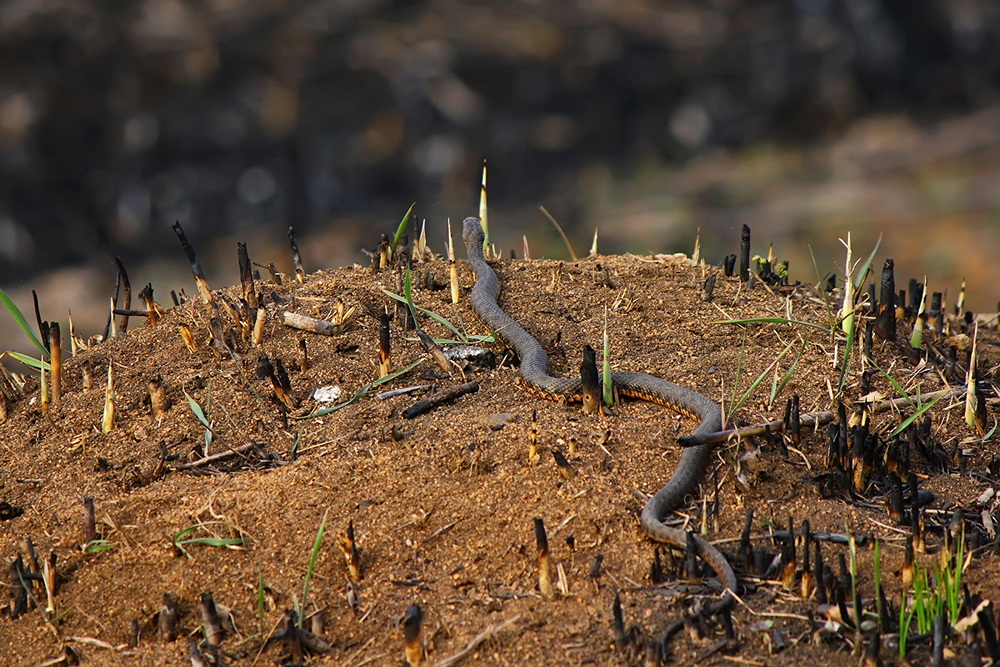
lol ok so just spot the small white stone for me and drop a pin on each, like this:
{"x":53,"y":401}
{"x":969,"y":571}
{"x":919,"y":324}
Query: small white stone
{"x":327,"y":394}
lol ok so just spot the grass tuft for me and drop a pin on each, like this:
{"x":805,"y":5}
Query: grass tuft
{"x":184,"y":537}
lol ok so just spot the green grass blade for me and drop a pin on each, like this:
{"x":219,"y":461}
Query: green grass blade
{"x":864,"y":268}
{"x":22,"y":323}
{"x":431,"y":314}
{"x":198,"y":412}
{"x":184,"y":533}
{"x":97,"y":546}
{"x":905,"y":619}
{"x":183,"y":538}
{"x":739,"y":373}
{"x":401,"y":229}
{"x":777,"y":389}
{"x":895,"y":385}
{"x":313,"y":557}
{"x":756,"y":383}
{"x":822,"y":292}
{"x":215,"y":541}
{"x":909,"y":420}
{"x":31,"y":362}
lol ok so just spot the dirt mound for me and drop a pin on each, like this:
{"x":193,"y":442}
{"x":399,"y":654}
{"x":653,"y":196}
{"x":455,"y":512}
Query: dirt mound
{"x":442,"y":506}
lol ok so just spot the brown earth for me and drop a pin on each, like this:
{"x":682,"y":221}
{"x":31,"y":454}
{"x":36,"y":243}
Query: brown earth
{"x":443,"y":504}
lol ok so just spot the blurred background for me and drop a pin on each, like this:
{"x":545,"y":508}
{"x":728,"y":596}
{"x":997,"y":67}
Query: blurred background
{"x":647,"y":120}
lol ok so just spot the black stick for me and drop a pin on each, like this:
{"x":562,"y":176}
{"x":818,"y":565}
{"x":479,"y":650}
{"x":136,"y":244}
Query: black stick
{"x":591,"y":385}
{"x":199,"y":275}
{"x":246,"y":276}
{"x":412,"y":624}
{"x":885,"y":320}
{"x":745,"y":254}
{"x":168,"y":618}
{"x":43,"y":327}
{"x":300,"y":271}
{"x":127,"y":300}
{"x":210,"y":620}
{"x":429,"y":403}
{"x":147,"y":298}
{"x":544,"y":562}
{"x":618,"y":624}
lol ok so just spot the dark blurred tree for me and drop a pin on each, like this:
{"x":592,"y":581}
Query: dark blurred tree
{"x":118,"y":118}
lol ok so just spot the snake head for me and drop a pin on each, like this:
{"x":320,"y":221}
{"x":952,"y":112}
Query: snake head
{"x":472,"y":233}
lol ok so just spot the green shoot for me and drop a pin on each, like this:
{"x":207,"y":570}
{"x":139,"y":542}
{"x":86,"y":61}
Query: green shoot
{"x":917,"y":338}
{"x":37,"y":364}
{"x":203,"y":418}
{"x":822,"y":292}
{"x":776,"y":386}
{"x":855,"y":274}
{"x":926,"y":603}
{"x":736,"y":380}
{"x":852,"y":553}
{"x":932,"y":597}
{"x":22,"y":323}
{"x":401,"y":230}
{"x":909,"y":420}
{"x":483,"y":217}
{"x":862,"y":271}
{"x":184,"y":538}
{"x":950,"y":578}
{"x":97,"y":546}
{"x":845,"y":364}
{"x":607,"y":391}
{"x":847,"y":310}
{"x":970,"y":384}
{"x":755,"y":383}
{"x":313,"y":557}
{"x":420,"y":247}
{"x":906,"y":613}
{"x":895,"y":385}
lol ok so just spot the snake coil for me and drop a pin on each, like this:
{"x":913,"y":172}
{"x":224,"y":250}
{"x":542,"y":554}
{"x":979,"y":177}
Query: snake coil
{"x":534,"y":372}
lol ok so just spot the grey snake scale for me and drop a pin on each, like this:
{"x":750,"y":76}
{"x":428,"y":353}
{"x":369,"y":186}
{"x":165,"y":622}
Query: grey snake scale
{"x":534,"y":373}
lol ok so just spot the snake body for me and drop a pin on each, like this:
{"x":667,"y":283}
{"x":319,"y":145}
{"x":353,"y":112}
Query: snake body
{"x":534,"y":372}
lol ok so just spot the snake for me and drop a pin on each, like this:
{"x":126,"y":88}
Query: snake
{"x":536,"y":378}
